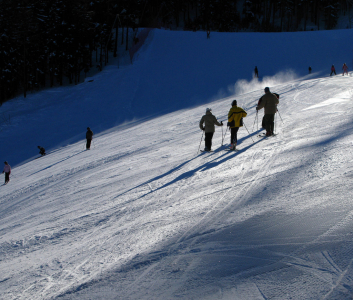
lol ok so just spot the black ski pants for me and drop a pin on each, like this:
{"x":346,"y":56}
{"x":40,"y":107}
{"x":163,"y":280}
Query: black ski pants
{"x":88,"y":145}
{"x":7,"y":177}
{"x":234,"y":135}
{"x":269,"y":123}
{"x":208,"y":140}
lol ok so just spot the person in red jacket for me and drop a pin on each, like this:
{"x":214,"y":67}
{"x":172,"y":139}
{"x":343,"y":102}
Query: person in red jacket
{"x":333,"y":70}
{"x":345,"y":69}
{"x":7,"y":171}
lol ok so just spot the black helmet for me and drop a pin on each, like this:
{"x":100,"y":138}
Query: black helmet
{"x":234,"y":102}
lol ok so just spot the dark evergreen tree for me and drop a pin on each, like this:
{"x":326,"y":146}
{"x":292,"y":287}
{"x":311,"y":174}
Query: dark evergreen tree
{"x":330,"y":9}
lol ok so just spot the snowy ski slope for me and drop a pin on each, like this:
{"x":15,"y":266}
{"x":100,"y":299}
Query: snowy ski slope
{"x":144,"y":215}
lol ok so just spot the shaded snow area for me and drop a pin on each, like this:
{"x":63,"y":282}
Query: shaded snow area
{"x":145,"y":215}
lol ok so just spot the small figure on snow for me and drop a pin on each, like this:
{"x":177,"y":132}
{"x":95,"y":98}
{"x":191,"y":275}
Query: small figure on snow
{"x":208,"y":34}
{"x":41,"y":150}
{"x":333,"y":70}
{"x":269,"y":103}
{"x":89,"y":137}
{"x":256,"y":72}
{"x":235,"y":120}
{"x":345,"y":69}
{"x":7,"y":171}
{"x":310,"y":70}
{"x":210,"y":121}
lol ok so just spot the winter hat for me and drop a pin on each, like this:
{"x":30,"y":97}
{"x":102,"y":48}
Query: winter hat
{"x":5,"y":162}
{"x":267,"y":89}
{"x":234,"y":102}
{"x":208,"y":109}
{"x":88,"y":128}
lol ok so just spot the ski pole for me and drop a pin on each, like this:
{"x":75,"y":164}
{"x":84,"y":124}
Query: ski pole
{"x":224,"y":135}
{"x":200,"y":142}
{"x":275,"y":125}
{"x":248,"y":132}
{"x":280,"y":116}
{"x":254,"y":122}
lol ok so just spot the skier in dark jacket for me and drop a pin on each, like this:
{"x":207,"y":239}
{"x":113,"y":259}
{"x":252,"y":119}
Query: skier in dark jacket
{"x":256,"y":71}
{"x":7,"y":171}
{"x":263,"y":125}
{"x":333,"y":70}
{"x":210,"y":121}
{"x":269,"y":103}
{"x":89,"y":137}
{"x":41,"y":150}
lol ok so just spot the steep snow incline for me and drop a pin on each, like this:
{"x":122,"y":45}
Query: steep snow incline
{"x":174,"y":70}
{"x":141,"y":216}
{"x":144,"y":215}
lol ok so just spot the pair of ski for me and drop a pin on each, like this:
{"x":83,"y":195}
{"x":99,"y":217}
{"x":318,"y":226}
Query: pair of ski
{"x":264,"y":135}
{"x":227,"y":149}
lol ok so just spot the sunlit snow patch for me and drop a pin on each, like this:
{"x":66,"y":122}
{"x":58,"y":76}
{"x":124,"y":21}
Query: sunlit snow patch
{"x":343,"y":97}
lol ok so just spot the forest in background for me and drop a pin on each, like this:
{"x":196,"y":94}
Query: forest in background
{"x":43,"y":42}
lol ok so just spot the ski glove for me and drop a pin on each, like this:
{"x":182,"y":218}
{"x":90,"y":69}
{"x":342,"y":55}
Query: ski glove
{"x":221,"y":123}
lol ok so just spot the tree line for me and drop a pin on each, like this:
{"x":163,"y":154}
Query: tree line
{"x":42,"y":42}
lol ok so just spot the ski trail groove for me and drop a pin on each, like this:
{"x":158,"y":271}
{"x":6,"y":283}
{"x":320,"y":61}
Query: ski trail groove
{"x":240,"y":197}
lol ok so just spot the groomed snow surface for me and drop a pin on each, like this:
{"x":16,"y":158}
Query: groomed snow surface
{"x":145,"y":215}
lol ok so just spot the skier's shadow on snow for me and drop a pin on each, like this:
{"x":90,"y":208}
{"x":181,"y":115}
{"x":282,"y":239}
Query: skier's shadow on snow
{"x":207,"y":166}
{"x":157,"y":178}
{"x":227,"y":155}
{"x":57,"y":162}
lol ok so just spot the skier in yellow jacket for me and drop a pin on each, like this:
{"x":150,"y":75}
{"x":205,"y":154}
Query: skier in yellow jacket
{"x":235,"y":120}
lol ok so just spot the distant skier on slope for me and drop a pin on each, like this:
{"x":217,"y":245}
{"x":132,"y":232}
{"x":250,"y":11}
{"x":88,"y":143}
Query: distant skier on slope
{"x":310,"y":70}
{"x":210,"y":121}
{"x":235,"y":120}
{"x":345,"y":69}
{"x":333,"y":70}
{"x":263,"y":124}
{"x":269,"y":103}
{"x":256,"y":71}
{"x":89,"y":137}
{"x":7,"y":171}
{"x":41,"y":150}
